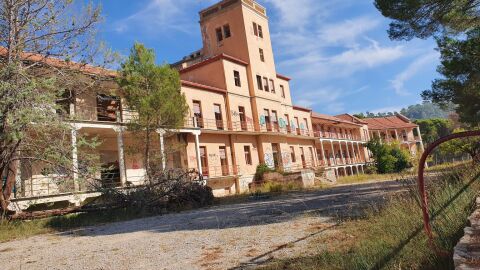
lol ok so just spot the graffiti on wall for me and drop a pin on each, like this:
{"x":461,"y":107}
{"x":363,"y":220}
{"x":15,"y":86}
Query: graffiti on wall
{"x":286,"y":160}
{"x":262,"y":120}
{"x":269,"y":160}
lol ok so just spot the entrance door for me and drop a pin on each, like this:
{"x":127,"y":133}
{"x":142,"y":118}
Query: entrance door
{"x":276,"y":155}
{"x":224,"y":160}
{"x":204,"y":159}
{"x":304,"y":161}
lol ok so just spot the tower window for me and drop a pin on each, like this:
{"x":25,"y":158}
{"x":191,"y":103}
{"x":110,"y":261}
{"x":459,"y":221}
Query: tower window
{"x":226,"y":31}
{"x":219,"y":34}
{"x":265,"y":84}
{"x":255,"y":29}
{"x":236,"y":76}
{"x":260,"y":31}
{"x":282,"y":88}
{"x":272,"y":86}
{"x":259,"y":82}
{"x":262,"y":56}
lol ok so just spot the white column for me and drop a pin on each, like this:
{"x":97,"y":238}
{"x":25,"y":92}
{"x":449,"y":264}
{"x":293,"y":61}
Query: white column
{"x":354,"y":152}
{"x":197,"y":150}
{"x":421,"y":140}
{"x":323,"y":152}
{"x":348,"y":152}
{"x":333,"y":153}
{"x":360,"y":153}
{"x":380,"y":136}
{"x":341,"y":153}
{"x":75,"y":168}
{"x":162,"y":149}
{"x":396,"y":135}
{"x":121,"y":156}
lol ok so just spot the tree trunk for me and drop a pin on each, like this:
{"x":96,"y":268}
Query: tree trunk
{"x":7,"y":191}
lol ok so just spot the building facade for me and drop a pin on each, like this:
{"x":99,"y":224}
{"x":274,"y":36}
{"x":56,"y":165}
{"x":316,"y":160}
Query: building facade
{"x":241,"y":115}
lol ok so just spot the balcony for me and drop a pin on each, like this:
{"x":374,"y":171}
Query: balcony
{"x":336,"y":136}
{"x":212,"y":172}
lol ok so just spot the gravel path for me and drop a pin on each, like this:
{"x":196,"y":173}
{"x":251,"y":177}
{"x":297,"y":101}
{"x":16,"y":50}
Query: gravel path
{"x":224,"y":237}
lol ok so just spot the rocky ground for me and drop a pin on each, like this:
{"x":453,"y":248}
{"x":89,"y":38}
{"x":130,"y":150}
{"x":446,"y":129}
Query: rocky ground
{"x":236,"y":236}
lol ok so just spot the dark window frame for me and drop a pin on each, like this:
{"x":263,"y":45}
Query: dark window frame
{"x":237,"y":79}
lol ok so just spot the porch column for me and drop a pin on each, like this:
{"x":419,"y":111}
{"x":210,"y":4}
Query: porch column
{"x":363,"y":172}
{"x":323,"y":153}
{"x":341,"y":153}
{"x":348,"y":153}
{"x":354,"y":152}
{"x":75,"y":168}
{"x":380,"y":136}
{"x":421,"y":140}
{"x":162,"y":148}
{"x":396,"y":135}
{"x":359,"y":153}
{"x":197,"y":150}
{"x":333,"y":153}
{"x":121,"y":156}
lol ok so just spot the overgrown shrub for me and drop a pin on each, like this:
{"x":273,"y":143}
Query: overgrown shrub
{"x":389,"y":158}
{"x":261,"y":170}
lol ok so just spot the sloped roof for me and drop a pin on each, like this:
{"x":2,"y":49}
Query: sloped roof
{"x":389,"y":122}
{"x":332,"y":119}
{"x":351,"y":118}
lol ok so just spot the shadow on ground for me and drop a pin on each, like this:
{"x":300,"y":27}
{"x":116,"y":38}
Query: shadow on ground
{"x":338,"y":202}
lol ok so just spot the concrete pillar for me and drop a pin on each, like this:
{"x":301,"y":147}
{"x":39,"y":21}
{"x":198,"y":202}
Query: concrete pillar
{"x":197,"y":150}
{"x":121,"y":156}
{"x":75,"y":168}
{"x":396,"y":135}
{"x":363,"y":172}
{"x":333,"y":153}
{"x":341,"y":153}
{"x":380,"y":136}
{"x":354,"y":152}
{"x":323,"y":152}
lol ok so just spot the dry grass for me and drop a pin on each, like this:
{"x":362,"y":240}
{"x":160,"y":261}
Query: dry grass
{"x":392,"y":237}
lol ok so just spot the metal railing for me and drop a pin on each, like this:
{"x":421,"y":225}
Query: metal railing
{"x":337,"y":136}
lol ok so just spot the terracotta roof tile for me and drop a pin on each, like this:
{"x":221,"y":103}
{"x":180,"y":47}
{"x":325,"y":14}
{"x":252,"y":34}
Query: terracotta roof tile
{"x":389,"y":122}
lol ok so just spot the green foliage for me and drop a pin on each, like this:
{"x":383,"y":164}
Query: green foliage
{"x":470,"y":146}
{"x":460,"y":65}
{"x":152,"y":91}
{"x":260,"y":171}
{"x":434,"y":129}
{"x":426,"y":18}
{"x":389,"y":158}
{"x":426,"y":110}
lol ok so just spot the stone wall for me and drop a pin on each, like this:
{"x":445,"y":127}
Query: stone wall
{"x":467,"y":252}
{"x":306,"y":178}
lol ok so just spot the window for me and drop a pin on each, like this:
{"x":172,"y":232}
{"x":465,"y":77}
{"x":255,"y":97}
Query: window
{"x":259,"y":82}
{"x":236,"y":76}
{"x":262,"y":56}
{"x":282,"y":89}
{"x":219,"y":34}
{"x":298,"y":125}
{"x":287,"y":119}
{"x":248,"y":155}
{"x":223,"y":160}
{"x":272,"y":86}
{"x":260,"y":31}
{"x":266,"y":113}
{"x":257,"y":30}
{"x":217,"y":109}
{"x":302,"y":156}
{"x":265,"y":84}
{"x":292,"y":154}
{"x":243,"y":118}
{"x":275,"y":120}
{"x":197,"y":112}
{"x":312,"y":157}
{"x":226,"y":31}
{"x":306,"y":123}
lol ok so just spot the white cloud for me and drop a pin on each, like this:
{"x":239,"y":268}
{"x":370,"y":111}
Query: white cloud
{"x":368,"y":56}
{"x":348,"y":31}
{"x":160,"y":16}
{"x":398,"y":84}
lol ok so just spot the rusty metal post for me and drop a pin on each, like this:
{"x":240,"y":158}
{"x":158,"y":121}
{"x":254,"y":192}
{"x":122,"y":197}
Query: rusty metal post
{"x":421,"y":180}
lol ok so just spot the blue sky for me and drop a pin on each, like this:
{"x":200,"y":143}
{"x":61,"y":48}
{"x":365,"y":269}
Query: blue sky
{"x":336,"y":51}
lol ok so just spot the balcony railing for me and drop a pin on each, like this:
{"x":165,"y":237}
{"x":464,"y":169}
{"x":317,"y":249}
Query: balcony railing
{"x":336,"y":136}
{"x":212,"y":172}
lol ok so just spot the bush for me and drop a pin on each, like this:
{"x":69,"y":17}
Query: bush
{"x":389,"y":158}
{"x":261,"y":170}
